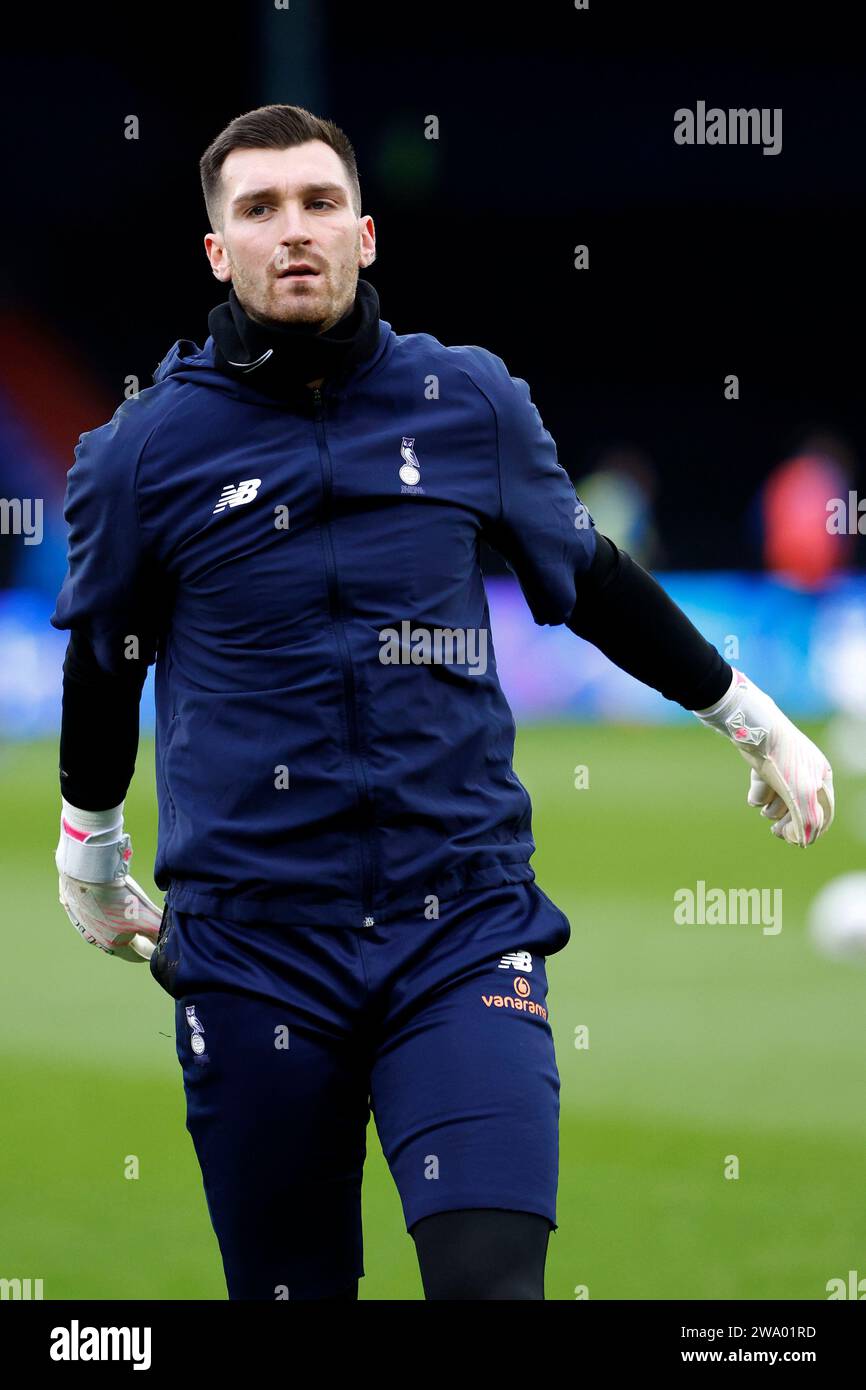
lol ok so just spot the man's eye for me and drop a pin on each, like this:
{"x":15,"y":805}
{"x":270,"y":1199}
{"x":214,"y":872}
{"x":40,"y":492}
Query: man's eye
{"x":258,"y":207}
{"x":322,"y":201}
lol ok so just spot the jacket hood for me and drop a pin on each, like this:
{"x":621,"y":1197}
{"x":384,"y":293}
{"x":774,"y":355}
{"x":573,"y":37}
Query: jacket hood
{"x":185,"y":361}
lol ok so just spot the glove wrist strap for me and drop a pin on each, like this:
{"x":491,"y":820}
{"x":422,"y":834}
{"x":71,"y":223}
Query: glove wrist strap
{"x":723,"y":706}
{"x":92,"y":847}
{"x":83,"y":824}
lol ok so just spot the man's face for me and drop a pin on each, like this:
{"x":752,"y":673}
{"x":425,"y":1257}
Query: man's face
{"x":288,"y":207}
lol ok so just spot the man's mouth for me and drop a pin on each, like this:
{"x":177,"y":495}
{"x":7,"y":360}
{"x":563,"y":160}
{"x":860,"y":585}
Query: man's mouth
{"x":298,"y":272}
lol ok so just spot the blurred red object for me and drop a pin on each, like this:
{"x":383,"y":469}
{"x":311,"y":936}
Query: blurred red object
{"x":798,"y":544}
{"x":51,"y":390}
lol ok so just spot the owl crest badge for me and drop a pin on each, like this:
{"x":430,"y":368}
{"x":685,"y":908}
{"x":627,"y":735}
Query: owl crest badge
{"x":410,"y":468}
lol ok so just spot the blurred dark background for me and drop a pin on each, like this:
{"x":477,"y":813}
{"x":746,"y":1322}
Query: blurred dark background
{"x":556,"y":128}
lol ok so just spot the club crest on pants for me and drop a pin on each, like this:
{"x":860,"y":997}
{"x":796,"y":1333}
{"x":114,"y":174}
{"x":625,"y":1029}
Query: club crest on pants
{"x":197,"y":1042}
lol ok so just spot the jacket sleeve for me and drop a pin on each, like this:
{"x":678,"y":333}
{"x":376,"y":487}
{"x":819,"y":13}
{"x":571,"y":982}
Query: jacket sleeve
{"x":543,"y":531}
{"x":110,"y":592}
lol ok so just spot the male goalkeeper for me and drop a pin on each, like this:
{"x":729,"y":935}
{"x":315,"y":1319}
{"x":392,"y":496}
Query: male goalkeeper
{"x":284,"y":522}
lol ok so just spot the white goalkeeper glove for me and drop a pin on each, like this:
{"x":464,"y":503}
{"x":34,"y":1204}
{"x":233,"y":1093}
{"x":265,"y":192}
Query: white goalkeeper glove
{"x":792,"y":781}
{"x":107,"y":907}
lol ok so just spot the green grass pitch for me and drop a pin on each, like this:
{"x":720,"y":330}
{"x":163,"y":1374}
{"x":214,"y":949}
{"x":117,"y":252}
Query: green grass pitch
{"x":704,"y":1042}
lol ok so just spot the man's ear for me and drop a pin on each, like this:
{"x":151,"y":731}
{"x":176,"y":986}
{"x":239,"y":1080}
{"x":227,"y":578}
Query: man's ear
{"x":366,"y":233}
{"x":218,"y":256}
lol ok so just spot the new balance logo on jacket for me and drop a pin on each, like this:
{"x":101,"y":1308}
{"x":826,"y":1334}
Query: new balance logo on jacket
{"x":232,"y":496}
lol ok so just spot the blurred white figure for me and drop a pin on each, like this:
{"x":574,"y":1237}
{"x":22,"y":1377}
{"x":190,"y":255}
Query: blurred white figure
{"x":837,"y":918}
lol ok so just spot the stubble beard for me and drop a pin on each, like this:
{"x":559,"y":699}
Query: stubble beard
{"x":269,"y":302}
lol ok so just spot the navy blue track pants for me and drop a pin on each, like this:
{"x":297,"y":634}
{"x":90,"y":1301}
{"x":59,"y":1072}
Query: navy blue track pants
{"x":289,"y":1037}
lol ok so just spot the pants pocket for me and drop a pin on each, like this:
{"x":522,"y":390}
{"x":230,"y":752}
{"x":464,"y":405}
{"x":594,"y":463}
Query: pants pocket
{"x":563,"y":935}
{"x":166,"y":957}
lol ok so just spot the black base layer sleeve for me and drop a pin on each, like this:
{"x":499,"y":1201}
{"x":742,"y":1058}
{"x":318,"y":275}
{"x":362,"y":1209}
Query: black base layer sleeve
{"x":623,"y":611}
{"x":99,"y":728}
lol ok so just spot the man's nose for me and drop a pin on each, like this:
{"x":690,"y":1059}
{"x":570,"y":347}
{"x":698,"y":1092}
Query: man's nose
{"x":292,"y":226}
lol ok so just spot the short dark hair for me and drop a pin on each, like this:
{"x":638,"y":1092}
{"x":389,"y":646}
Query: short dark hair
{"x":272,"y":128}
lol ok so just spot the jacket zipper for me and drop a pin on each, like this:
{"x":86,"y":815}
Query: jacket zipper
{"x":334,"y":604}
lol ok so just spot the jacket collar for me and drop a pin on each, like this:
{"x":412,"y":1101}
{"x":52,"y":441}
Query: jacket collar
{"x":279,"y":359}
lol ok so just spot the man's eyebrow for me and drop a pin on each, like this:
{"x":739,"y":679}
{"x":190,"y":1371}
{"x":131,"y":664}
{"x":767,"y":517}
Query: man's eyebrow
{"x":263,"y":195}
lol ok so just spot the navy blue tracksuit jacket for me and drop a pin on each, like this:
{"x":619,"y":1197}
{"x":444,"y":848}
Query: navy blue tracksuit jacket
{"x":259,"y":553}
